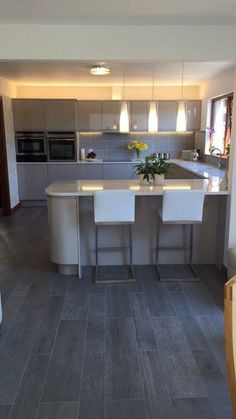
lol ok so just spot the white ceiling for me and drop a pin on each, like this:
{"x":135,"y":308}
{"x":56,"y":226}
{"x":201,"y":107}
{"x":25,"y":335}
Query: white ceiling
{"x":136,"y":73}
{"x":118,"y":12}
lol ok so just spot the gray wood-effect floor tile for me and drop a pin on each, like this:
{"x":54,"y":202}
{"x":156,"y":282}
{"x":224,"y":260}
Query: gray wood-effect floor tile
{"x":48,"y":328}
{"x":194,"y":408}
{"x":213,"y":330}
{"x":222,"y":411}
{"x":60,"y":285}
{"x":14,"y":354}
{"x":123,"y":377}
{"x":137,"y":286}
{"x":155,"y":384}
{"x":214,"y":282}
{"x":117,"y":301}
{"x":35,"y":303}
{"x":120,"y":335}
{"x":95,"y":336}
{"x":75,"y":306}
{"x":92,"y":393}
{"x":182,"y":374}
{"x":4,"y":410}
{"x":28,"y":395}
{"x":62,"y":410}
{"x":126,"y":409}
{"x":192,"y":330}
{"x":64,"y":373}
{"x":143,"y":326}
{"x":97,"y":305}
{"x":158,"y":299}
{"x":215,"y":382}
{"x":200,"y":300}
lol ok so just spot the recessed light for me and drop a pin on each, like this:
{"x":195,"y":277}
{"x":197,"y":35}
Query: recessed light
{"x":100,"y":70}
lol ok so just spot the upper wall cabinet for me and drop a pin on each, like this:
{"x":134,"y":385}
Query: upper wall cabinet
{"x":139,"y":115}
{"x":28,"y":114}
{"x":193,"y":115}
{"x":60,"y":114}
{"x":89,"y":115}
{"x":111,"y":115}
{"x":167,"y":115}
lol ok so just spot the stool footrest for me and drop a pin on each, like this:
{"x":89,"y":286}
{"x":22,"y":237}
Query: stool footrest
{"x":110,"y":249}
{"x":114,"y":281}
{"x":193,"y":278}
{"x":172,"y":247}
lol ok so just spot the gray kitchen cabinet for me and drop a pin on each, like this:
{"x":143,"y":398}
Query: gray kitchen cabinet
{"x":117,"y":171}
{"x":193,"y":108}
{"x":111,"y":115}
{"x":139,"y":115}
{"x":167,"y":115}
{"x":32,"y":181}
{"x":60,"y":114}
{"x":65,"y":171}
{"x":90,"y":171}
{"x":28,"y":114}
{"x":89,"y":115}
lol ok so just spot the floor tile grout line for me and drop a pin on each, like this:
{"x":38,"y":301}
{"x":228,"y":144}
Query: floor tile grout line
{"x":105,"y":360}
{"x":83,"y":357}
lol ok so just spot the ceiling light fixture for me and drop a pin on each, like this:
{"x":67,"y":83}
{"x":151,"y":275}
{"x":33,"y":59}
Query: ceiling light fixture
{"x":100,"y":70}
{"x":181,"y":122}
{"x":152,"y":116}
{"x":124,"y":114}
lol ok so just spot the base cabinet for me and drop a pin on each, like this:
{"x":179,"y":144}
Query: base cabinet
{"x":32,"y":181}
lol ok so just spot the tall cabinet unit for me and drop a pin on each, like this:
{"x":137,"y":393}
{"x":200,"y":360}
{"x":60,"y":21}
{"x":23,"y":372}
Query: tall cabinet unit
{"x":60,"y":115}
{"x":28,"y":114}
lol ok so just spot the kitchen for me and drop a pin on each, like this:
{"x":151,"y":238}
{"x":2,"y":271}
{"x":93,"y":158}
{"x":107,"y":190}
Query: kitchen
{"x":52,"y":127}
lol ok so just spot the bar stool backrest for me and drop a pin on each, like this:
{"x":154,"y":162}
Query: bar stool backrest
{"x":114,"y":207}
{"x":183,"y":206}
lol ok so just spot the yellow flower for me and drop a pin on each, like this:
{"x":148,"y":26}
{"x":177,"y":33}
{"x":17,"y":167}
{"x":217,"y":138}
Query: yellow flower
{"x":137,"y":145}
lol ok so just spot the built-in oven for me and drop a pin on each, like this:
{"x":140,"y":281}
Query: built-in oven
{"x":61,"y":146}
{"x":30,"y":146}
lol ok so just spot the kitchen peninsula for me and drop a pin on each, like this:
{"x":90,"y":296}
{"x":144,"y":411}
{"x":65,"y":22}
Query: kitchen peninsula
{"x":71,"y":222}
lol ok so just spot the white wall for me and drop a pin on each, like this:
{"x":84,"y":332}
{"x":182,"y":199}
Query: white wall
{"x":11,"y":152}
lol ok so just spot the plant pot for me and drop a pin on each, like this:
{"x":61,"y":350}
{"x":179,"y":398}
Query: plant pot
{"x":159,"y":180}
{"x":145,"y":181}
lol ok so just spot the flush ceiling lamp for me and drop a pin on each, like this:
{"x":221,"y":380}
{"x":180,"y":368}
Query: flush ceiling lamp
{"x":124,"y":114}
{"x":181,"y":122}
{"x":152,"y":116}
{"x":100,"y":70}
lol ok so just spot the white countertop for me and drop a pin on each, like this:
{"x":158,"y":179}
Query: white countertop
{"x":88,"y":187}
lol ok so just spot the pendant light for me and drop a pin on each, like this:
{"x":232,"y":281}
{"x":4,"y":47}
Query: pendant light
{"x":181,"y":122}
{"x":152,"y":116}
{"x":124,"y":114}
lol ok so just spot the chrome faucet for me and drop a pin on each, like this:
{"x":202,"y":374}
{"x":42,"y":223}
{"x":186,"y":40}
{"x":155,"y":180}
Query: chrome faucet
{"x":218,"y":154}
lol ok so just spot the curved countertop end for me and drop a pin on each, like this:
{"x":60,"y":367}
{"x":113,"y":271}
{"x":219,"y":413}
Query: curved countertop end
{"x":88,"y":187}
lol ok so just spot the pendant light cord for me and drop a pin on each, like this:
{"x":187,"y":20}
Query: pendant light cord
{"x":153,"y":80}
{"x":182,"y":87}
{"x":124,"y":82}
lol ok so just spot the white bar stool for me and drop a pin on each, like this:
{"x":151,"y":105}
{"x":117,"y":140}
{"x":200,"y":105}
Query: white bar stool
{"x":183,"y":207}
{"x":116,"y":207}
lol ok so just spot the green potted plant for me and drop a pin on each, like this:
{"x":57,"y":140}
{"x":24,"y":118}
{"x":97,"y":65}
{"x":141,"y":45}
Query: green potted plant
{"x":152,"y":169}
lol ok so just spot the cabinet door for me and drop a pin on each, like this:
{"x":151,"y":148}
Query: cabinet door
{"x":193,"y":115}
{"x":117,"y":171}
{"x":167,"y":115}
{"x":89,"y":171}
{"x":60,"y":114}
{"x":139,"y":115}
{"x":28,"y":114}
{"x":32,"y":181}
{"x":61,"y":172}
{"x":89,"y":115}
{"x":110,"y":115}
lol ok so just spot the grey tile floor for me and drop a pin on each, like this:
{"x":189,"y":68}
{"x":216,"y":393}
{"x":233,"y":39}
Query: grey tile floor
{"x":70,"y":349}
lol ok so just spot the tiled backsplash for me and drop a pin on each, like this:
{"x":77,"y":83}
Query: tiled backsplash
{"x":114,"y":146}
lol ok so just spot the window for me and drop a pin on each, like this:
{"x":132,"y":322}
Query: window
{"x":221,"y":122}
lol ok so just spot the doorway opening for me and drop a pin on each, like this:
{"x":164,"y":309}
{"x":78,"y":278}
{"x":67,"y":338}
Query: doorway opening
{"x":5,"y":205}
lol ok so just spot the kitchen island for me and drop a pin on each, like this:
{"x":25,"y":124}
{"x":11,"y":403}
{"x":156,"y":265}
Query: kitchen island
{"x":71,"y":224}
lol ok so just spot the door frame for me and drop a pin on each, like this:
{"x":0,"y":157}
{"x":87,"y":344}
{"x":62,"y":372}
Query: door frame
{"x":4,"y":180}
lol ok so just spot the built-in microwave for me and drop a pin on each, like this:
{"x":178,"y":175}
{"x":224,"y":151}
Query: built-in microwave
{"x":30,"y":146}
{"x":61,"y":146}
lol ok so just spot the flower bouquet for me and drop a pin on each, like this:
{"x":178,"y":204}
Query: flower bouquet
{"x":138,"y":146}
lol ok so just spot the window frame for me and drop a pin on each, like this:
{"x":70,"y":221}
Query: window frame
{"x":228,"y":124}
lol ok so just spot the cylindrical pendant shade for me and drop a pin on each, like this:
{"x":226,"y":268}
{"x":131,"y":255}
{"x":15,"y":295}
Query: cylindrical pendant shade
{"x":153,"y":118}
{"x":124,"y":118}
{"x":181,"y":122}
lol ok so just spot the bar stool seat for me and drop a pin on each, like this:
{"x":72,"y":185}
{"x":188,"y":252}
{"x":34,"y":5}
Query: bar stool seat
{"x":114,"y":207}
{"x":184,"y":207}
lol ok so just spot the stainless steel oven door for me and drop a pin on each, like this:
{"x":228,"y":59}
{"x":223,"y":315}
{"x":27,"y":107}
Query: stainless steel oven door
{"x":30,"y":146}
{"x":61,"y":150}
